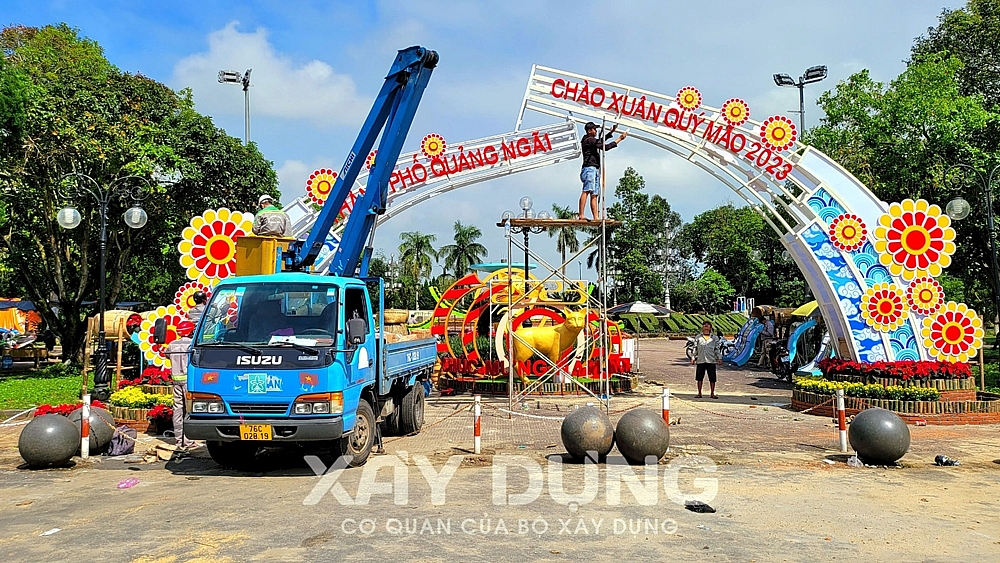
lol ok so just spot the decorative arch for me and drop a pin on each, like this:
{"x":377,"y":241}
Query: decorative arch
{"x":860,"y":256}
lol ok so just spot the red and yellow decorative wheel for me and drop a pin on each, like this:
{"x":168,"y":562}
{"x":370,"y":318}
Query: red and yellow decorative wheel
{"x":320,"y":184}
{"x":848,"y":232}
{"x":208,"y":245}
{"x":433,"y":145}
{"x":735,"y":111}
{"x":914,"y":239}
{"x":370,"y":161}
{"x":883,"y":307}
{"x":154,"y":353}
{"x":924,"y":295}
{"x":953,"y":334}
{"x":184,"y":297}
{"x":689,"y":98}
{"x":778,"y":132}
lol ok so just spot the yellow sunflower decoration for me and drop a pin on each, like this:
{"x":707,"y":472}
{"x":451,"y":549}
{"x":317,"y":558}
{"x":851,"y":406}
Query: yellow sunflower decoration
{"x":735,"y":111}
{"x":689,"y":98}
{"x":320,"y":184}
{"x":154,"y":353}
{"x":953,"y":334}
{"x":848,"y":232}
{"x":914,"y":239}
{"x":184,"y":297}
{"x":777,"y":132}
{"x":432,"y":145}
{"x":370,"y":161}
{"x":208,"y":245}
{"x":924,"y":295}
{"x":883,"y":308}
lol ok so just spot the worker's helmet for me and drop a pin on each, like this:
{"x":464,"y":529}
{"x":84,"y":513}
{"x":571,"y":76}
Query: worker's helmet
{"x":199,"y":297}
{"x":263,"y":198}
{"x":185,"y":328}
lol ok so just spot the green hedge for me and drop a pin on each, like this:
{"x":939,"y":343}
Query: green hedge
{"x":679,"y":323}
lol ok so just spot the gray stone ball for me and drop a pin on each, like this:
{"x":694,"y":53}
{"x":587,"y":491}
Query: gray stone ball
{"x":102,"y":426}
{"x":48,"y":440}
{"x":587,"y":429}
{"x":641,"y":433}
{"x":879,"y":436}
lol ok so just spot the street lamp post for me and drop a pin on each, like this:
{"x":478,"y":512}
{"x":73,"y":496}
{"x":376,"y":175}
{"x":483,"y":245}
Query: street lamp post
{"x":233,"y":77}
{"x":526,"y":213}
{"x":959,"y":209}
{"x":812,"y":74}
{"x":135,"y":217}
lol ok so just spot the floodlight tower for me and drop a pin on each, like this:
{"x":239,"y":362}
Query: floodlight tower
{"x":812,"y":74}
{"x":233,"y":77}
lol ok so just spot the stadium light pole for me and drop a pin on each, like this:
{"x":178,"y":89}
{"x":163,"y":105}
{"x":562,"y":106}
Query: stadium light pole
{"x":233,"y":77}
{"x":811,"y":75}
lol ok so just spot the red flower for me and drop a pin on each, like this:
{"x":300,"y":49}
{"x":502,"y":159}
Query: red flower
{"x":161,"y":411}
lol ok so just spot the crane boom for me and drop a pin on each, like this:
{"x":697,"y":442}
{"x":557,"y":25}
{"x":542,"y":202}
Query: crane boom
{"x":393,"y":110}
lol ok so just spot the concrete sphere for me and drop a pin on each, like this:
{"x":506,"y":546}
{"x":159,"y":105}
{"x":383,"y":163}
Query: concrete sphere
{"x":587,"y":429}
{"x":879,"y":436}
{"x":48,"y":440}
{"x":641,"y":433}
{"x":102,"y":427}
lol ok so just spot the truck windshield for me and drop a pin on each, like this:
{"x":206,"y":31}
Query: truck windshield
{"x":271,"y":313}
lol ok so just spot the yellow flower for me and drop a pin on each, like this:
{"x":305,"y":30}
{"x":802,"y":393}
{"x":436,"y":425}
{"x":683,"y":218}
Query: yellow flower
{"x":914,"y":239}
{"x":883,"y":308}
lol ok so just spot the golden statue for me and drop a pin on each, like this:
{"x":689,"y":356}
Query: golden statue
{"x":549,"y":341}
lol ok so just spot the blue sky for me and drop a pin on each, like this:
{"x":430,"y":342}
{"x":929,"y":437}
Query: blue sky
{"x":318,"y":65}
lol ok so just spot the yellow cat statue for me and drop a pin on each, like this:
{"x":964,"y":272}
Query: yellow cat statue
{"x":549,"y":341}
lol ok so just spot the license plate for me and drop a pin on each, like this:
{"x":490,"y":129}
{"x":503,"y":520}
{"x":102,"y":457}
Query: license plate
{"x":784,"y":358}
{"x":255,"y":432}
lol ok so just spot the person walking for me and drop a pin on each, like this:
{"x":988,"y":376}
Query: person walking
{"x":177,"y":352}
{"x":708,"y":354}
{"x":591,"y":148}
{"x":271,"y":221}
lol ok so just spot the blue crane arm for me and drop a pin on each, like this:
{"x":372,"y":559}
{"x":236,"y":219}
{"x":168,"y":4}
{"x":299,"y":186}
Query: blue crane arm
{"x":393,"y":109}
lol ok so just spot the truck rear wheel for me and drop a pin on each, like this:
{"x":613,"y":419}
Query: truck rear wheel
{"x":411,"y":410}
{"x":358,"y":443}
{"x":234,"y":455}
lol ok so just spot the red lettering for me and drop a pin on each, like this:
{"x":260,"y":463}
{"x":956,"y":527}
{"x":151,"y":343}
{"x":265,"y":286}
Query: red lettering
{"x":490,"y":155}
{"x":406,"y":175}
{"x":453,"y":169}
{"x":640,"y":108}
{"x":571,"y":89}
{"x":737,"y":137}
{"x":558,"y":82}
{"x":584,"y":97}
{"x":712,"y":132}
{"x":438,"y":167}
{"x":593,"y":97}
{"x":626,"y":109}
{"x":419,"y":173}
{"x":476,"y":157}
{"x":539,"y":367}
{"x":696,"y":122}
{"x":394,"y":179}
{"x":463,"y":163}
{"x":726,"y":137}
{"x":616,"y":102}
{"x":671,"y":117}
{"x":548,"y":142}
{"x":536,"y":143}
{"x":509,"y":152}
{"x":653,"y":112}
{"x":523,"y":147}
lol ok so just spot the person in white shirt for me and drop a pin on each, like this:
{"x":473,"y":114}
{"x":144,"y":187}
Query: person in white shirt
{"x":708,"y":354}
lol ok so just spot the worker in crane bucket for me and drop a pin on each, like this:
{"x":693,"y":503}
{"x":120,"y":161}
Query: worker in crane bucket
{"x":271,"y":221}
{"x":590,"y":175}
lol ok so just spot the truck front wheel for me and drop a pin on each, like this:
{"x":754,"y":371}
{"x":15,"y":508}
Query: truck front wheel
{"x":411,"y":410}
{"x":234,"y":455}
{"x":358,"y":442}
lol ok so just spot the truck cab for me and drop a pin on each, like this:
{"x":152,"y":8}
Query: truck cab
{"x":296,"y":357}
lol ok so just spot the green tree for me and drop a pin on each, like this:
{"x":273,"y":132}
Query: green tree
{"x":417,"y":256}
{"x":710,"y":292}
{"x":465,"y":251}
{"x":567,"y":239}
{"x":900,"y":138}
{"x":639,"y":250}
{"x":67,"y":108}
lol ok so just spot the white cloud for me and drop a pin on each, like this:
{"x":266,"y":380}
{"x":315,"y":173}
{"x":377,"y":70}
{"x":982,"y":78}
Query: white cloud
{"x":292,"y":176}
{"x":280,"y":87}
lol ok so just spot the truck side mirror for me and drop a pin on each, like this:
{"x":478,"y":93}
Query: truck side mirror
{"x":357,"y":332}
{"x":160,"y":331}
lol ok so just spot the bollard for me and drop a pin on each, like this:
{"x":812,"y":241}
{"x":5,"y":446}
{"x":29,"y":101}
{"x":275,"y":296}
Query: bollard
{"x":842,"y":420}
{"x":478,"y":412}
{"x":85,"y":428}
{"x":666,"y":405}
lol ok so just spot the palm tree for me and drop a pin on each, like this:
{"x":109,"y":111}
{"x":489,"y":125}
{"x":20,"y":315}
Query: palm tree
{"x":465,"y":252}
{"x":566,"y":238}
{"x":416,"y":255}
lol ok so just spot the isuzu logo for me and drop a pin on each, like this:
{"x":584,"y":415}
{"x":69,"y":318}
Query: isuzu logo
{"x":258,"y":360}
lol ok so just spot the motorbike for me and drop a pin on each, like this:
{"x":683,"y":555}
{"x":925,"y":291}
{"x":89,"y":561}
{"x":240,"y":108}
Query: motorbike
{"x":691,"y":347}
{"x":779,"y":360}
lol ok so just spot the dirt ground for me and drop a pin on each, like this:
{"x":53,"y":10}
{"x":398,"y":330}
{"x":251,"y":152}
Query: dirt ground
{"x":784,"y":491}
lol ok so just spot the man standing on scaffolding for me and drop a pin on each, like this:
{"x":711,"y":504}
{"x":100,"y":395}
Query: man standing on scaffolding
{"x":590,"y":175}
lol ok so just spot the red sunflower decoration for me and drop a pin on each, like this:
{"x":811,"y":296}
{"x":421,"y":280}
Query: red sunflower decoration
{"x":778,"y":132}
{"x":154,"y":353}
{"x":735,"y":112}
{"x":883,"y":308}
{"x":689,"y":98}
{"x":184,"y":298}
{"x":320,"y":184}
{"x":848,"y":232}
{"x":953,"y":334}
{"x":370,"y":161}
{"x":208,"y":245}
{"x":914,"y":239}
{"x":924,"y":295}
{"x":433,"y":145}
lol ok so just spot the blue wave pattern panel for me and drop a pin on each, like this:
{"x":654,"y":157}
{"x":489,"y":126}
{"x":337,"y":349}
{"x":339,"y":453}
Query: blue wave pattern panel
{"x":825,"y":206}
{"x":904,"y":343}
{"x":848,"y":290}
